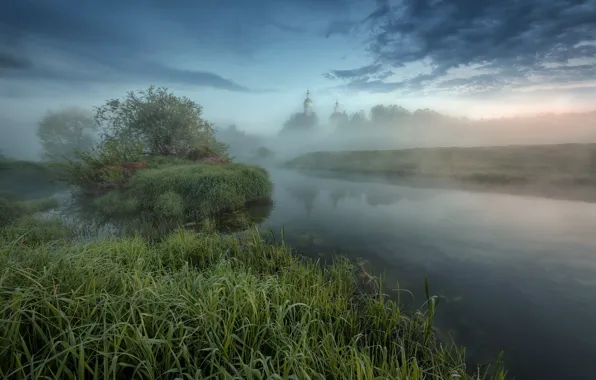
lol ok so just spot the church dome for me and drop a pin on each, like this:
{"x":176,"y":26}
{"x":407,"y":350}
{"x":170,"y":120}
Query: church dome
{"x":307,"y":101}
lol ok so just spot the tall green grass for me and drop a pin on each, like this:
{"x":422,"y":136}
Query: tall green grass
{"x":13,"y":208}
{"x":205,"y":306}
{"x":187,"y":191}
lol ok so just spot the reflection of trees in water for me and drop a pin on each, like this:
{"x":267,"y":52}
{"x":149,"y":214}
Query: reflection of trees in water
{"x":336,"y":196}
{"x":305,"y":194}
{"x":382,"y":198}
{"x":377,"y":197}
{"x":239,"y":220}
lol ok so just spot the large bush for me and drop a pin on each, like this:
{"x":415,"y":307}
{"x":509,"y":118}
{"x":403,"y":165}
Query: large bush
{"x":97,"y":169}
{"x":187,"y":191}
{"x":166,"y":124}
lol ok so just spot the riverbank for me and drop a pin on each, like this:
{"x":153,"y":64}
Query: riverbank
{"x":565,"y":171}
{"x":204,"y":304}
{"x":197,"y":303}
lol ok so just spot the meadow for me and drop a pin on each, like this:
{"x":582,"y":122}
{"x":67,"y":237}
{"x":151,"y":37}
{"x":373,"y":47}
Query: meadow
{"x":564,"y":164}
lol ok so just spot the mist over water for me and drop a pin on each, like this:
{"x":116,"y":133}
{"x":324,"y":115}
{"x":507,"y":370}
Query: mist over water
{"x":506,"y":237}
{"x":418,"y":129}
{"x":422,"y":131}
{"x":515,"y":273}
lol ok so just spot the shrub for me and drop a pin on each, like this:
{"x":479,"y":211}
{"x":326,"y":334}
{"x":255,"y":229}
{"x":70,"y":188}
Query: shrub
{"x":164,"y":123}
{"x":94,"y":169}
{"x":189,"y":191}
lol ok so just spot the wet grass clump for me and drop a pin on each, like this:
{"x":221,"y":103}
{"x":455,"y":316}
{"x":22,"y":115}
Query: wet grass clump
{"x":32,"y":231}
{"x":205,"y":306}
{"x":13,"y":208}
{"x":186,"y":191}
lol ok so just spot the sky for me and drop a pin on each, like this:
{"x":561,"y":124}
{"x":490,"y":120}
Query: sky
{"x":250,"y":62}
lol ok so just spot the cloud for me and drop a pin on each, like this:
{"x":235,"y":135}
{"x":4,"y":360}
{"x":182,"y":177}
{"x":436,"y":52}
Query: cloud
{"x":114,"y":71}
{"x":114,"y":41}
{"x":360,"y":72}
{"x":340,"y":27}
{"x":374,"y":73}
{"x":12,"y":61}
{"x":506,"y":43}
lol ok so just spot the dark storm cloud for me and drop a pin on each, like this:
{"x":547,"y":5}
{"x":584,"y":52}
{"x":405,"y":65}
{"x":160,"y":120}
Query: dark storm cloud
{"x":359,"y":72}
{"x":517,"y":41}
{"x":341,"y":27}
{"x":9,"y":60}
{"x":114,"y":40}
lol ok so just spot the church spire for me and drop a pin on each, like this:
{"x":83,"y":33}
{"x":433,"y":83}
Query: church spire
{"x":336,"y":106}
{"x":307,"y":104}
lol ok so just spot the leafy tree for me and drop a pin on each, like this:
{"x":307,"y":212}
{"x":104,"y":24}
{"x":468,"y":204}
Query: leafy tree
{"x":358,"y":119}
{"x":239,"y":142}
{"x":339,"y":119}
{"x":164,"y":123}
{"x":263,"y":153}
{"x":63,"y":132}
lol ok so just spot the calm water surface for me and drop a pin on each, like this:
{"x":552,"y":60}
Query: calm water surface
{"x":514,"y":273}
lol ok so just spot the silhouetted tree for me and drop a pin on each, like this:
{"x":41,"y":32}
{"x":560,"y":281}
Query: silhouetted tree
{"x":63,"y":132}
{"x":358,"y":119}
{"x":240,"y":143}
{"x":382,"y":115}
{"x":339,"y":119}
{"x":263,"y":153}
{"x":300,"y":122}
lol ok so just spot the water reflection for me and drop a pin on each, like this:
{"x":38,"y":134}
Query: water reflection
{"x":305,"y":194}
{"x":80,"y":213}
{"x":514,"y":273}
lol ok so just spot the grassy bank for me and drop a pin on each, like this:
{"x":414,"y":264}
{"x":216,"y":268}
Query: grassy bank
{"x":203,"y":306}
{"x":187,"y":191}
{"x":563,"y":164}
{"x":154,"y":194}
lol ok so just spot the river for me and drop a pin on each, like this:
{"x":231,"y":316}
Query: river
{"x":514,"y":273}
